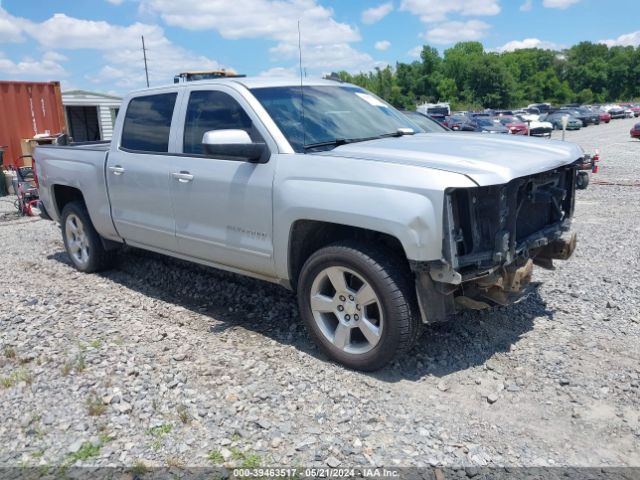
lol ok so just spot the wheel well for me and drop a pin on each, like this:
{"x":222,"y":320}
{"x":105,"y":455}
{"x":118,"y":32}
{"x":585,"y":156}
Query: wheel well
{"x":308,"y":236}
{"x":64,"y":194}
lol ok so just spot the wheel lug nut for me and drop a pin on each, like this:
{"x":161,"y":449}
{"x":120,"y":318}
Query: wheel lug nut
{"x":347,"y":317}
{"x":358,"y":307}
{"x":342,"y":299}
{"x":340,"y":308}
{"x":351,"y":297}
{"x":356,"y":318}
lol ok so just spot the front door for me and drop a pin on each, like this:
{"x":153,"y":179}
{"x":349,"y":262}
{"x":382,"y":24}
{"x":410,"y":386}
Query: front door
{"x":138,"y":174}
{"x":223,"y":208}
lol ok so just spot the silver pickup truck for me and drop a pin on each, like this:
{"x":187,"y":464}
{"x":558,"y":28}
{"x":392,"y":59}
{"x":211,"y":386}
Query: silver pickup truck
{"x":323,"y":188}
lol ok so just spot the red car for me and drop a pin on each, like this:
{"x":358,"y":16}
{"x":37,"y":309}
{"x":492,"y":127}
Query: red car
{"x":605,"y":117}
{"x":635,"y":131}
{"x":515,"y":126}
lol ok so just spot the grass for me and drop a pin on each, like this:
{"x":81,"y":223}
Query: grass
{"x":174,"y":462}
{"x":183,"y":414}
{"x":37,"y":454}
{"x":160,"y":430}
{"x":9,"y":352}
{"x":21,"y":375}
{"x":215,"y":457}
{"x":95,"y":343}
{"x":246,"y":459}
{"x":95,"y":407}
{"x":78,"y":364}
{"x":87,"y":451}
{"x":139,"y":468}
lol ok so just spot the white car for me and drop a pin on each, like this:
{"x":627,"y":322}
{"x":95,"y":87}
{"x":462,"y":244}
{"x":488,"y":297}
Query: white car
{"x":536,"y":127}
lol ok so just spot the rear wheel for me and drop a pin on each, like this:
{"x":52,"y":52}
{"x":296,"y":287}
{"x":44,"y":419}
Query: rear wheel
{"x":358,"y":304}
{"x":82,"y":242}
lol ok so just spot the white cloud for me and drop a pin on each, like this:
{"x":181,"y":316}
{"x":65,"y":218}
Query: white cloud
{"x":120,"y":46}
{"x":437,"y":10}
{"x":375,"y":14}
{"x":10,"y":27}
{"x":382,"y":45}
{"x":627,"y":40}
{"x":116,"y":2}
{"x":326,"y":43}
{"x":526,"y":6}
{"x":452,"y":32}
{"x":561,"y":4}
{"x":415,"y":51}
{"x":528,"y":43}
{"x":48,"y":67}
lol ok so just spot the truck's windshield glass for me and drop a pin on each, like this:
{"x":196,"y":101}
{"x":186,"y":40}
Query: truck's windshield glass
{"x":338,"y":112}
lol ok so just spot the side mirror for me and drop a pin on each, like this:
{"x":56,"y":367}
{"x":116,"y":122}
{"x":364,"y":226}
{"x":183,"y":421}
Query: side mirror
{"x":233,"y":145}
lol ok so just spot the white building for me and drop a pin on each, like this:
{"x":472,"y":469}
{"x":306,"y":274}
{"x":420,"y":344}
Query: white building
{"x":90,"y":116}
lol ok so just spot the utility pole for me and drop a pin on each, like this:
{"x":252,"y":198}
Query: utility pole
{"x":144,"y":53}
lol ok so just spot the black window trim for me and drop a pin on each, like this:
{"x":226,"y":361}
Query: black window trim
{"x":176,"y":105}
{"x":267,"y":139}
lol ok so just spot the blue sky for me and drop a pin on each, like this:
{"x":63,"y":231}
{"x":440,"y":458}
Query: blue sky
{"x":95,"y":44}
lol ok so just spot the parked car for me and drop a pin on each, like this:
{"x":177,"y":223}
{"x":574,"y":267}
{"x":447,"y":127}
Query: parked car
{"x":460,"y":123}
{"x":604,"y":116}
{"x":425,"y":122}
{"x":616,"y":111}
{"x":514,"y":124}
{"x":488,"y":125}
{"x":585,"y":116}
{"x":635,"y":131}
{"x":555,"y":119}
{"x":541,"y":107}
{"x":377,"y":228}
{"x":536,"y":127}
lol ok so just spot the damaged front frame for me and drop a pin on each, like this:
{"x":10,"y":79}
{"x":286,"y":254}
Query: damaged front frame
{"x":492,"y":238}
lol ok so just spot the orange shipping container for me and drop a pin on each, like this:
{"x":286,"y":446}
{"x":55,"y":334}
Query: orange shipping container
{"x":28,"y":109}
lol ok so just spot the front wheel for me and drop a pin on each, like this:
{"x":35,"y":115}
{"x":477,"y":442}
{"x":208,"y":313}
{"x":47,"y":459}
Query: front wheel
{"x":82,"y":241}
{"x":358,"y":304}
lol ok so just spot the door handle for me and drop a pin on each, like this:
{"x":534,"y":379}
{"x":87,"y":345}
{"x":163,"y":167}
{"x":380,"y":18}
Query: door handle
{"x":117,"y":170}
{"x":182,"y":177}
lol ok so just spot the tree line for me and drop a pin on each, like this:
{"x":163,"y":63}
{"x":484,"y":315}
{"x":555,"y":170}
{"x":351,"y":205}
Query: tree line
{"x":469,"y":77}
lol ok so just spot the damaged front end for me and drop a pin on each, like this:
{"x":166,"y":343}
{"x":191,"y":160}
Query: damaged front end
{"x":493,"y":236}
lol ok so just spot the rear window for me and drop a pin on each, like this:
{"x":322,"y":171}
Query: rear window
{"x":147,"y":123}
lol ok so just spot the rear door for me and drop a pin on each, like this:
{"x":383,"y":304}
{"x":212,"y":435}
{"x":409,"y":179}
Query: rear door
{"x":138,"y":173}
{"x":223,"y":208}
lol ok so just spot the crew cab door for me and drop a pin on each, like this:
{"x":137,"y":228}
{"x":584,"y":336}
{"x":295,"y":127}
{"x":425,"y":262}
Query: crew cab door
{"x":138,"y":173}
{"x":223,"y":208}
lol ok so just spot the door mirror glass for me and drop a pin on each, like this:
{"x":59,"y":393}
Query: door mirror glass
{"x":233,"y":145}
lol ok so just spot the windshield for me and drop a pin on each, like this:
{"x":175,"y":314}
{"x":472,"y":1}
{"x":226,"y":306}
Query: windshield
{"x":485,"y":122}
{"x":340,"y":112}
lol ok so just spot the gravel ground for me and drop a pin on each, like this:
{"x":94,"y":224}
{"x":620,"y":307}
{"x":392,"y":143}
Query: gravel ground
{"x":167,"y":364}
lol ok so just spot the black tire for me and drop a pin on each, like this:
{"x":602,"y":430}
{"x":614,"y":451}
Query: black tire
{"x":97,"y":257}
{"x":392,"y":282}
{"x":582,"y":180}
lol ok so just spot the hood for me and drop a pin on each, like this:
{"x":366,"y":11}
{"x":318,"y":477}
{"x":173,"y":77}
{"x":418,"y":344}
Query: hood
{"x":485,"y":159}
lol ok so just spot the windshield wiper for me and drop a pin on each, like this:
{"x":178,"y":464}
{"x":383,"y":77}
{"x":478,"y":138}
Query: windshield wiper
{"x":343,"y":141}
{"x":335,"y":143}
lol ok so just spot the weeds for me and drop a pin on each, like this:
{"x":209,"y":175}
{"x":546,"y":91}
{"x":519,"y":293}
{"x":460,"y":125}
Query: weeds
{"x":87,"y":451}
{"x":95,"y":407}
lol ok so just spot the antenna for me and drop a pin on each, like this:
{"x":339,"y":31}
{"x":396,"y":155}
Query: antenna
{"x":304,"y":131}
{"x":144,"y":53}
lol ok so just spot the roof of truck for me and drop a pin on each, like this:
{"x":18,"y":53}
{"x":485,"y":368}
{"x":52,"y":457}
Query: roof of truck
{"x":248,"y":82}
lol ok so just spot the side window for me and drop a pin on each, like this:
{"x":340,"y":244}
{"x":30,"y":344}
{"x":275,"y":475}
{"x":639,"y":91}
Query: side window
{"x":147,"y":123}
{"x":210,"y":110}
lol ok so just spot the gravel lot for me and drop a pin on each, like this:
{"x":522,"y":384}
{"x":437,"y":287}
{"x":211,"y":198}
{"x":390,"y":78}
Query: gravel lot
{"x":169,"y":364}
